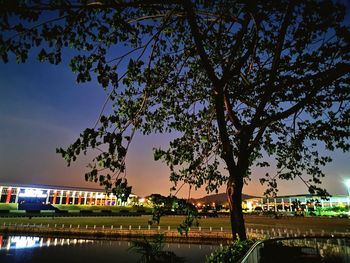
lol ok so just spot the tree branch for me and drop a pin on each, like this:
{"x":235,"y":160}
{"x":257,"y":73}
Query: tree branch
{"x":218,"y":92}
{"x":198,"y":39}
{"x":314,"y":84}
{"x":226,"y":72}
{"x":14,"y":6}
{"x":233,"y":117}
{"x":275,"y":62}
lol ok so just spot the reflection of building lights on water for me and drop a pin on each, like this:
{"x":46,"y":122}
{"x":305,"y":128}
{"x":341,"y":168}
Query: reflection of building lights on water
{"x":19,"y":242}
{"x":23,"y":242}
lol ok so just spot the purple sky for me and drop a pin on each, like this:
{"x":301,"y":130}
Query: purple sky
{"x":42,"y":107}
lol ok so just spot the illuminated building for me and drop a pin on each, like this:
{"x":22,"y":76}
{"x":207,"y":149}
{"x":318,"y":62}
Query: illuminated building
{"x":294,"y":202}
{"x":55,"y":195}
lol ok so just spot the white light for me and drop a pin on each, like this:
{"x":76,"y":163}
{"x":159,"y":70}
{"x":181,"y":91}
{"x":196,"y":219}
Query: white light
{"x":347,"y":183}
{"x":28,"y":192}
{"x":24,"y":242}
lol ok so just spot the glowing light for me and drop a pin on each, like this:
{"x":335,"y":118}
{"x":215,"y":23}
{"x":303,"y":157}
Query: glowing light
{"x":29,"y":192}
{"x":250,"y":206}
{"x":142,"y":200}
{"x":347,"y":183}
{"x":24,"y":242}
{"x":99,"y":195}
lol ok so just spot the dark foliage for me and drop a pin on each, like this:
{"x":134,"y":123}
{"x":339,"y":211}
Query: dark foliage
{"x":237,"y":81}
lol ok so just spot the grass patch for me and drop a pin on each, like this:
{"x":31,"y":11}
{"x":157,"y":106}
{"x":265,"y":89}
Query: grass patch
{"x":126,"y":221}
{"x":102,"y":207}
{"x":10,"y":206}
{"x":317,"y":224}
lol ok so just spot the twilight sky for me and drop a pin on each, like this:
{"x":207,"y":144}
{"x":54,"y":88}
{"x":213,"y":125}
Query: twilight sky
{"x":42,"y":107}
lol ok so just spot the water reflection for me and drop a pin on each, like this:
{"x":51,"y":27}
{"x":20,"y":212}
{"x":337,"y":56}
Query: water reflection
{"x":57,"y":249}
{"x":20,"y":242}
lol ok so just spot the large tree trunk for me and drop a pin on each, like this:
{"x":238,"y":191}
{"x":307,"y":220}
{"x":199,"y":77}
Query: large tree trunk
{"x":234,"y":196}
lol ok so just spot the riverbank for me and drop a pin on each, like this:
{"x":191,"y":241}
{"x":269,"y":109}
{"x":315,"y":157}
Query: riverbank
{"x":210,"y":229}
{"x":194,"y":236}
{"x":113,"y":233}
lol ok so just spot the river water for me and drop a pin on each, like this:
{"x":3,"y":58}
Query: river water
{"x":34,"y":249}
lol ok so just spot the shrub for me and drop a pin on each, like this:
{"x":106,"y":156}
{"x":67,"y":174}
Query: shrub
{"x":231,"y":253}
{"x":7,"y":207}
{"x":151,"y":251}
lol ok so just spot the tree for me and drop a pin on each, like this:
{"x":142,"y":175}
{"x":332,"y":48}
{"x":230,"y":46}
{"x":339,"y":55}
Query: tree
{"x":152,"y":251}
{"x":237,"y":81}
{"x":166,"y":205}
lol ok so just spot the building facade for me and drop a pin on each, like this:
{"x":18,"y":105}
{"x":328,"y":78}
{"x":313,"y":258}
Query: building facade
{"x":55,"y":195}
{"x":295,"y":202}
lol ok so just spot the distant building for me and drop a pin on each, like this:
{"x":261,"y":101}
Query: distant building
{"x":293,"y":202}
{"x":58,"y":195}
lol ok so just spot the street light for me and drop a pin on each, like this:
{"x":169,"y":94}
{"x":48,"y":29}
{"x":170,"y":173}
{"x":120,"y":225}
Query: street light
{"x":347,"y":183}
